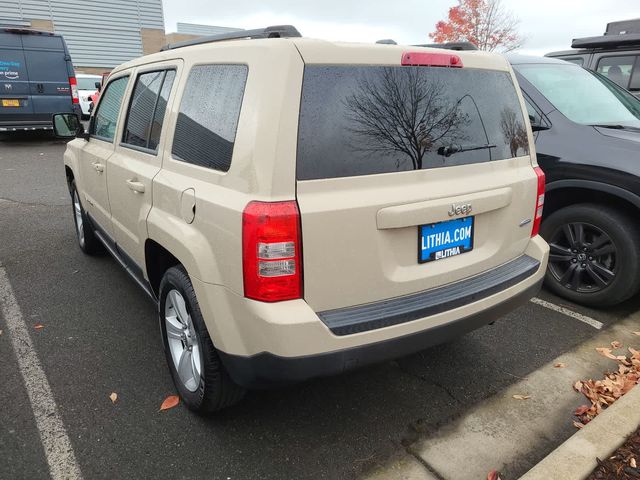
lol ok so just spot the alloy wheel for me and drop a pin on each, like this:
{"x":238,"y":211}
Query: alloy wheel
{"x":182,"y":340}
{"x":583,"y":257}
{"x":77,"y":214}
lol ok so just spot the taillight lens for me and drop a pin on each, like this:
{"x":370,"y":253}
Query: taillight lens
{"x":539,"y":202}
{"x":73,"y":83}
{"x":271,"y":251}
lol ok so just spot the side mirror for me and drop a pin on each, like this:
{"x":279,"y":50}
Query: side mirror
{"x":98,"y":86}
{"x":67,"y":125}
{"x":537,"y":125}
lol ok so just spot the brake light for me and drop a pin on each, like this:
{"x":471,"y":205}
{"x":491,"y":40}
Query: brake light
{"x":74,"y":89}
{"x":271,"y":251}
{"x":431,"y":59}
{"x":539,"y":202}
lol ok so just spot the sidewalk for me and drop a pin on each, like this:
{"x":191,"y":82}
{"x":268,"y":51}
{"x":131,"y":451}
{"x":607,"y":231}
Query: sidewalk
{"x":512,"y":436}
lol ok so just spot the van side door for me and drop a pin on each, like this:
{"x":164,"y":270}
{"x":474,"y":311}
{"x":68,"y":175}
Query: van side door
{"x":96,"y":152}
{"x":138,"y":158}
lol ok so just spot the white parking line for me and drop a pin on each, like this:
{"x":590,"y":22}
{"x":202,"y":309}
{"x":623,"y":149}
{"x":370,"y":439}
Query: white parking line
{"x":57,"y":446}
{"x":565,"y":311}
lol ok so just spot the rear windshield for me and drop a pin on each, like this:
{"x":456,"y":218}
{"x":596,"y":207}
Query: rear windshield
{"x":363,"y":120}
{"x":12,"y":65}
{"x":88,"y":83}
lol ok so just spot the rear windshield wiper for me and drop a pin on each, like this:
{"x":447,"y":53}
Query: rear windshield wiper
{"x":449,"y":150}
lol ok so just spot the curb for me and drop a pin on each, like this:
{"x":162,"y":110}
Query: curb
{"x":576,"y":458}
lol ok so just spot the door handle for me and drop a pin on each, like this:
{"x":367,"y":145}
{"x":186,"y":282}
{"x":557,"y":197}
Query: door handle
{"x":137,"y":187}
{"x":99,"y":167}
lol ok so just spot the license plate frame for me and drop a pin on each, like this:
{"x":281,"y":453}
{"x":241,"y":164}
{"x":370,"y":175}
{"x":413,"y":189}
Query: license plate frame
{"x":438,"y":248}
{"x":10,"y":102}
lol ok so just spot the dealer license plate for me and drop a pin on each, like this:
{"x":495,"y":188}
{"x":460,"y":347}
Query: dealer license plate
{"x":445,"y":239}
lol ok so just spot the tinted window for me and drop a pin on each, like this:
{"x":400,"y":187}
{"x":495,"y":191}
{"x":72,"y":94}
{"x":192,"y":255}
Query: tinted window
{"x":634,"y":84}
{"x":617,"y":69}
{"x":161,"y":107}
{"x":144,"y":109}
{"x":208,"y":118}
{"x":106,"y":118}
{"x":534,"y":116}
{"x":582,"y":95}
{"x":368,"y":120}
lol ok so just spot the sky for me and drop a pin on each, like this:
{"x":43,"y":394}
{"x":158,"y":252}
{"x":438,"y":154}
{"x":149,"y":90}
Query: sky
{"x":548,"y":25}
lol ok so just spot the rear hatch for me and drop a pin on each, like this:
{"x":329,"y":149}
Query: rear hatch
{"x":386,"y":153}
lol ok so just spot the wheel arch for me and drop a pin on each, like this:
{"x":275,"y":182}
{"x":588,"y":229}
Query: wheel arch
{"x":157,"y":261}
{"x":562,"y":193}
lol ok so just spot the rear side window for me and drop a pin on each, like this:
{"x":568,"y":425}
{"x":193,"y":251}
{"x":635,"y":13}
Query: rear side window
{"x":106,"y":118}
{"x":576,"y":60}
{"x":372,"y":119}
{"x":617,"y":69}
{"x":146,"y":109}
{"x":208,"y":118}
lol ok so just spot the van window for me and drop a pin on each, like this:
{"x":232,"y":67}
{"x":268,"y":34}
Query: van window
{"x":45,"y":66}
{"x":617,"y":69}
{"x":363,"y":120}
{"x":208,"y":118}
{"x":106,"y":117}
{"x":144,"y":106}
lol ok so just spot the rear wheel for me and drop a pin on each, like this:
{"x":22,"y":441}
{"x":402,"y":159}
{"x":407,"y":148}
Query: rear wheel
{"x":198,"y":373}
{"x":594,"y":258}
{"x":87,"y":240}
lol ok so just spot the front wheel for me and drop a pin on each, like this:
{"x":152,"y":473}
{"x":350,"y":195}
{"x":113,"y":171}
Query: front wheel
{"x":594,"y":258}
{"x":198,"y":373}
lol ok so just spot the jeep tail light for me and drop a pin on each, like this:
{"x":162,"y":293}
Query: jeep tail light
{"x":271,"y":256}
{"x":73,"y":83}
{"x":539,"y":202}
{"x":425,"y":59}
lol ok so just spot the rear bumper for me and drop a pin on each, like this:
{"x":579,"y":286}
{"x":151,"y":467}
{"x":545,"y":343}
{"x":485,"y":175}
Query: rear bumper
{"x":266,"y":369}
{"x":265,"y":344}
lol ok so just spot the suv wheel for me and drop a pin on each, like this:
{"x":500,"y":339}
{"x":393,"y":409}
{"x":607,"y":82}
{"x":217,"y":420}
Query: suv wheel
{"x":198,"y":373}
{"x":594,"y":258}
{"x":87,"y":240}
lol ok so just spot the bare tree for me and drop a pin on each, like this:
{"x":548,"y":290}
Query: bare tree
{"x":514,"y":131}
{"x":402,"y":111}
{"x":485,"y":23}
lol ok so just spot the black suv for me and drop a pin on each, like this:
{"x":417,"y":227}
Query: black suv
{"x":616,"y":54}
{"x":587,"y":133}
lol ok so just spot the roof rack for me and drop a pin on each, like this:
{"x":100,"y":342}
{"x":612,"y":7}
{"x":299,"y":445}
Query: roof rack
{"x":276,"y":31}
{"x":387,"y":41}
{"x":604,"y":41}
{"x":459,"y":46}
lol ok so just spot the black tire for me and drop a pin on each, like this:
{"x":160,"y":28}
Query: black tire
{"x":85,"y":235}
{"x":215,"y":390}
{"x":611,"y":245}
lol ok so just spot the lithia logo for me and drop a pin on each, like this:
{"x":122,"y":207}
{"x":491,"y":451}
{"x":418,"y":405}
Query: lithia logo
{"x":460,"y":209}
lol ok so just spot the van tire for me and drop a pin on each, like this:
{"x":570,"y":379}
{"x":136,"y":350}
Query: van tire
{"x":624,"y":238}
{"x":85,"y":235}
{"x":214,"y":389}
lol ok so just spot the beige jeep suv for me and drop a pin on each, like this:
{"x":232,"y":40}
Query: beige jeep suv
{"x":298,"y":208}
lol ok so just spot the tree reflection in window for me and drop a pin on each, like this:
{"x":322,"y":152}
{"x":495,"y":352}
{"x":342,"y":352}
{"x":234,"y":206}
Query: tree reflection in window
{"x":402,"y":111}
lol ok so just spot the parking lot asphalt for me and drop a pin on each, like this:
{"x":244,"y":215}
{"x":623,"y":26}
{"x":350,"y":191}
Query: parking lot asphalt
{"x":100,"y":335}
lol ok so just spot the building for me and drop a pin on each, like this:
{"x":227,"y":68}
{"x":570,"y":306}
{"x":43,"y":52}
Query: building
{"x":100,"y":34}
{"x":190,"y":31}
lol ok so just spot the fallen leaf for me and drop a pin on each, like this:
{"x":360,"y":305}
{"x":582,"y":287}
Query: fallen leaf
{"x":522,"y":397}
{"x":493,"y":475}
{"x":38,"y":326}
{"x":633,"y":463}
{"x":560,"y":365}
{"x":636,"y":333}
{"x":578,"y":425}
{"x":170,"y":402}
{"x":113,"y":397}
{"x":616,"y":345}
{"x":582,"y":409}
